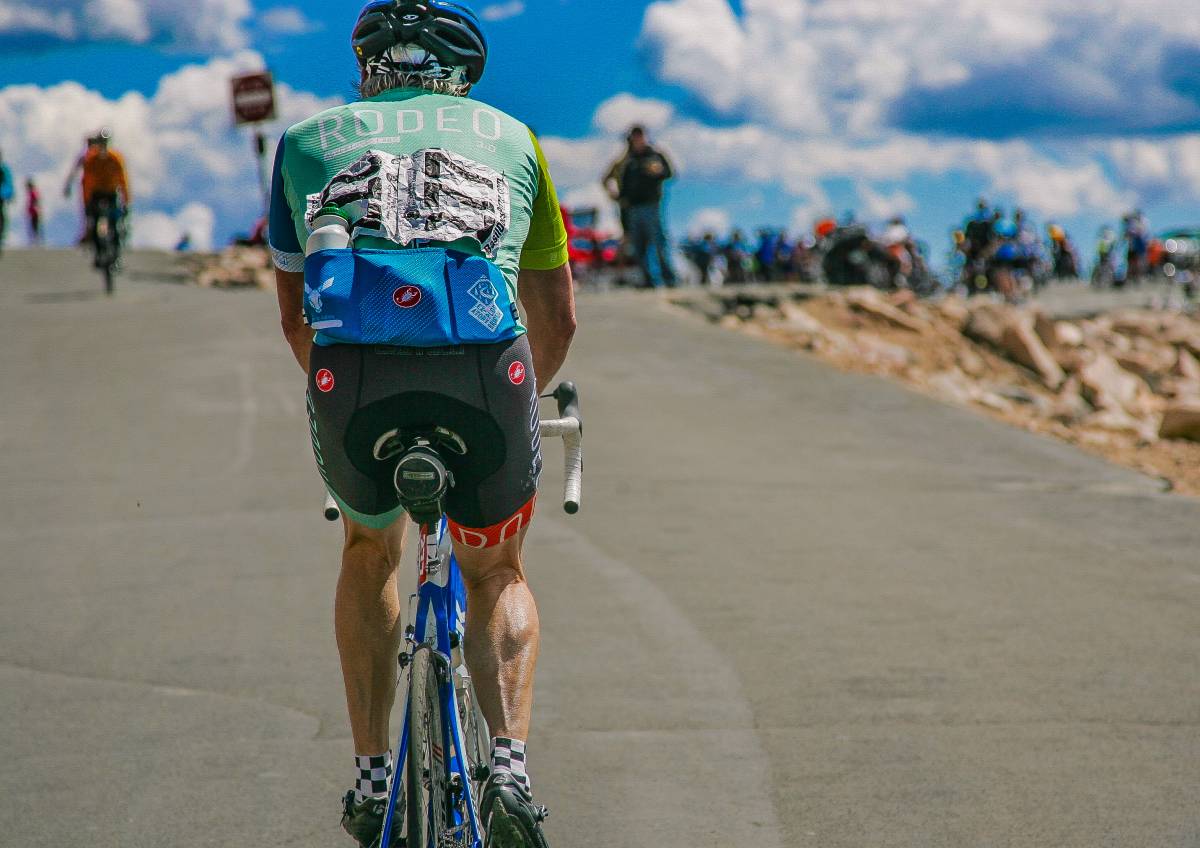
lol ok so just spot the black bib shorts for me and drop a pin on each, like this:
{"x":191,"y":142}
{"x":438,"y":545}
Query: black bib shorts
{"x":486,"y":394}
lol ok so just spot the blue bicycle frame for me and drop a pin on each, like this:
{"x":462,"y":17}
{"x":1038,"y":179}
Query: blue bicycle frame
{"x":441,"y":610}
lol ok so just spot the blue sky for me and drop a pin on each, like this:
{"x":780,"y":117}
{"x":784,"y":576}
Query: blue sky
{"x":775,"y":110}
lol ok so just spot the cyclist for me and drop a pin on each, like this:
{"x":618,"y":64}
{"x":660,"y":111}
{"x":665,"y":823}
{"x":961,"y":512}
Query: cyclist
{"x":6,"y":195}
{"x":453,"y":218}
{"x":104,"y":179}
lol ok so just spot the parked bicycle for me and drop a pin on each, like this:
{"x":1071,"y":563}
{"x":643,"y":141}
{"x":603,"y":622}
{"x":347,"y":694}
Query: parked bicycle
{"x":444,"y":745}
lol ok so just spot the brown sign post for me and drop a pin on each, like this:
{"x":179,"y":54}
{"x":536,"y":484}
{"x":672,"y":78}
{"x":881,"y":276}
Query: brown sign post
{"x":254,"y":103}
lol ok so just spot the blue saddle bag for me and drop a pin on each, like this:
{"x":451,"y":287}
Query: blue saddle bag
{"x":425,"y":297}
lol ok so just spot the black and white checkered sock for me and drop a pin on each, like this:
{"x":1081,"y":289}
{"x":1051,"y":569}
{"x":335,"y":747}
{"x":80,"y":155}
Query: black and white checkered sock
{"x":508,"y":756}
{"x":374,"y":772}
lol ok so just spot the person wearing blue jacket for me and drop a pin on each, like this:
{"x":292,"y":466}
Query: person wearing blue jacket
{"x":6,"y":195}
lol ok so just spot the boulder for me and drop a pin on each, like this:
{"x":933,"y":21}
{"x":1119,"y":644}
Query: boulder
{"x":1179,"y":388}
{"x":1120,"y":421}
{"x":878,"y":353}
{"x":994,"y":402}
{"x":1106,"y":385}
{"x":797,"y":319}
{"x":1181,"y":420}
{"x":764,"y":312}
{"x":1021,"y":343}
{"x":1069,"y":335}
{"x":1072,"y":359}
{"x":1150,"y":363}
{"x":1069,"y":407}
{"x":953,"y":386}
{"x":954,"y":310}
{"x":871,"y":302}
{"x":986,"y":323}
{"x":1187,"y":366}
{"x":1018,"y":394}
{"x":1184,"y":334}
{"x":1047,"y":330}
{"x":1117,"y":342}
{"x":1138,"y":323}
{"x":971,"y":362}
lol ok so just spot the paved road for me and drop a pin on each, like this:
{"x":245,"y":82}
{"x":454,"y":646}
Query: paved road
{"x":800,"y":608}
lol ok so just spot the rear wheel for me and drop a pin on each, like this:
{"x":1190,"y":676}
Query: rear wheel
{"x":426,"y":771}
{"x":104,"y":241}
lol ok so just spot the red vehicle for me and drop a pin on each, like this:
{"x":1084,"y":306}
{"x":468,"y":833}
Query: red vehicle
{"x":590,"y":248}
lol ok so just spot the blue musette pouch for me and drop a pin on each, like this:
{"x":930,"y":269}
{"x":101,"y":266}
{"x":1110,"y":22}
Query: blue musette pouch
{"x":424,"y":297}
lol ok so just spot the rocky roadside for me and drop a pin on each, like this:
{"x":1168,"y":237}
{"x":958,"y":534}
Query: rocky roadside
{"x":1123,"y":384}
{"x":233,"y":268}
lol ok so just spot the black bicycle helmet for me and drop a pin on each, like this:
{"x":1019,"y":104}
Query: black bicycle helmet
{"x":449,"y":30}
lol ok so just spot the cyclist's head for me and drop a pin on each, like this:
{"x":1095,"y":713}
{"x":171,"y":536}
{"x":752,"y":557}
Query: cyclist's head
{"x":636,"y":139}
{"x":437,"y":45}
{"x":103,"y":138}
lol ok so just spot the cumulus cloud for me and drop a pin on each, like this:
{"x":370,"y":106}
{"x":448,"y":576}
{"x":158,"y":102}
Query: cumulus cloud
{"x":179,"y":144}
{"x":211,"y":24}
{"x":286,"y":20}
{"x":710,"y":219}
{"x":971,"y":67}
{"x":502,"y":11}
{"x":1052,"y":178}
{"x":880,"y":205}
{"x":617,"y":114}
{"x":165,"y":231}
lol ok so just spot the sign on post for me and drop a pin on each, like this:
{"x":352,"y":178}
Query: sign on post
{"x":253,"y":98}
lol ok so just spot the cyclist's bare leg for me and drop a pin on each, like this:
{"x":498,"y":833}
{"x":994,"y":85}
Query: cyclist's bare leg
{"x":503,"y":634}
{"x":367,"y":623}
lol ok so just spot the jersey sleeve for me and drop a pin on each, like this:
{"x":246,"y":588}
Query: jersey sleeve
{"x":546,"y":245}
{"x":122,"y":174}
{"x":281,"y":227}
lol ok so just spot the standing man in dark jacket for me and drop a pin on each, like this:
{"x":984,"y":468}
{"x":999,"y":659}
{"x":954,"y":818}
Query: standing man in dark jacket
{"x":641,"y":193}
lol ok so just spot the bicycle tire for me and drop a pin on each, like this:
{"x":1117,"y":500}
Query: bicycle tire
{"x":426,"y":771}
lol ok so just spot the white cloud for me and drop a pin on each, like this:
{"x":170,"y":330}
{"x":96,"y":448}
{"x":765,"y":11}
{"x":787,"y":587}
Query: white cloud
{"x":1061,"y":178}
{"x":858,"y":66}
{"x":710,"y":220}
{"x":286,"y":20}
{"x":179,"y":144}
{"x":20,"y":17}
{"x":880,"y":206}
{"x":163,"y":231}
{"x":502,"y":11}
{"x":622,"y":111}
{"x":213,"y":24}
{"x":1158,"y":168}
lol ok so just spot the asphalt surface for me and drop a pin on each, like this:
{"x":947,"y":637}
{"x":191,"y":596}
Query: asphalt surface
{"x":799,"y":608}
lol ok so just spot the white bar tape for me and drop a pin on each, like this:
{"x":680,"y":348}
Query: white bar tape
{"x":571,"y":432}
{"x":573,"y":487}
{"x":332,"y":511}
{"x":557,"y":427}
